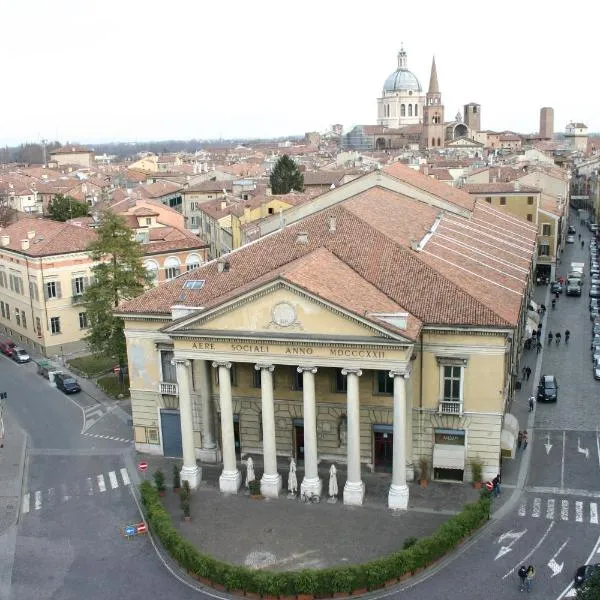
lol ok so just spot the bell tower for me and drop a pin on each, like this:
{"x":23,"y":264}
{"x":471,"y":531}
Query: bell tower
{"x":433,"y":113}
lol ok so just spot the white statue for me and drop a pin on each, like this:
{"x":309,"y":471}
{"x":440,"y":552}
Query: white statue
{"x":333,"y":485}
{"x":249,"y":471}
{"x":292,"y":479}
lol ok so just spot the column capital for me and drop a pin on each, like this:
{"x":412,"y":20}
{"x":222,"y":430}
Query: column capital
{"x":405,"y":374}
{"x":181,"y":362}
{"x":352,"y":371}
{"x":221,"y":363}
{"x":309,"y":369}
{"x":264,"y":366}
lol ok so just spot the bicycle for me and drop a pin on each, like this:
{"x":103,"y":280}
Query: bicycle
{"x":310,"y":498}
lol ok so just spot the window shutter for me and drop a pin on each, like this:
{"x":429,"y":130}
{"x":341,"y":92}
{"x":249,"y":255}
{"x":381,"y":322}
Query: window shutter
{"x":177,"y":271}
{"x":86,"y":282}
{"x":46,"y":294}
{"x":58,"y":290}
{"x":74,"y":287}
{"x":11,"y":282}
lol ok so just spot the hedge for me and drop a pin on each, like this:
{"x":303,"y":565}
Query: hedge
{"x":320,"y":583}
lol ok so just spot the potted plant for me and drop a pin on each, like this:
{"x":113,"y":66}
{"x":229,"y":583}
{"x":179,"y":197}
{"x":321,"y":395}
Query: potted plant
{"x":159,"y":482}
{"x":254,"y":487}
{"x":476,"y":472}
{"x":423,"y":471}
{"x":176,"y":479}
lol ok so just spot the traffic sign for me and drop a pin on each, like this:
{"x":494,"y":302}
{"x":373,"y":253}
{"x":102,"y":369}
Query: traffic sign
{"x":129,"y":530}
{"x":141,"y":528}
{"x":143,"y":466}
{"x":116,"y":369}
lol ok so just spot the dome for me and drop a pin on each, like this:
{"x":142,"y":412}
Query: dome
{"x":402,"y":80}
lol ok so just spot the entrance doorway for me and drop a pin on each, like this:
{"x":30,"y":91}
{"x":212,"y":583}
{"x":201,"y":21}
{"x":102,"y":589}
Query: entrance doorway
{"x":170,"y":425}
{"x":236,"y":436}
{"x":298,"y":439}
{"x":383,"y":448}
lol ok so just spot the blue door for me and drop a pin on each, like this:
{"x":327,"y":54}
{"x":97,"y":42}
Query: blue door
{"x":170,"y":422}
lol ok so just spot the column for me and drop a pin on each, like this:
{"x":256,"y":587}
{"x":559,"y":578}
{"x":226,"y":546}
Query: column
{"x":311,"y":484}
{"x":398,"y":494}
{"x":270,"y":483}
{"x":354,"y":490}
{"x":209,"y":452}
{"x":230,"y":478}
{"x":190,"y":471}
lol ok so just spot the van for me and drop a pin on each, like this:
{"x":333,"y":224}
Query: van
{"x":576,"y":266}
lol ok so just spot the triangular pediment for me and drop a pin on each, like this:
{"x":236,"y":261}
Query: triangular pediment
{"x":282,"y":310}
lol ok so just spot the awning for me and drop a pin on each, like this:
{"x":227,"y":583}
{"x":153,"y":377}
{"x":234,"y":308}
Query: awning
{"x":533,"y":306}
{"x":533,"y":315}
{"x":448,"y":456}
{"x":530,"y":327}
{"x":507,"y":444}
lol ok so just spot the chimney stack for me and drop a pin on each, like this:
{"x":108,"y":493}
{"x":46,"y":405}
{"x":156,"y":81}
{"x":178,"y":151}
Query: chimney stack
{"x":24,"y":244}
{"x":30,"y":234}
{"x":332,"y":224}
{"x":517,"y":185}
{"x":5,"y":240}
{"x":223,"y":265}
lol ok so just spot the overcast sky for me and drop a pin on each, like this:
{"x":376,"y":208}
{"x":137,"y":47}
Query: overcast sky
{"x":131,"y":70}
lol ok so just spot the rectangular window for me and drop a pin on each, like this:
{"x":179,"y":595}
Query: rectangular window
{"x":502,"y":200}
{"x":55,"y":325}
{"x":38,"y":326}
{"x":78,"y":285}
{"x":255,"y":377}
{"x":148,"y":221}
{"x":546,"y":229}
{"x":172,"y":272}
{"x":192,"y":266}
{"x":2,"y":278}
{"x":53,"y":290}
{"x":168,"y":370}
{"x":33,"y":290}
{"x":452,"y":383}
{"x":7,"y":308}
{"x":341,"y":386}
{"x":543,"y":250}
{"x":530,"y":200}
{"x":384,"y":383}
{"x":23,"y":319}
{"x":2,"y":309}
{"x":297,"y":380}
{"x":530,"y":217}
{"x":488,"y":199}
{"x":83,"y":320}
{"x":18,"y":317}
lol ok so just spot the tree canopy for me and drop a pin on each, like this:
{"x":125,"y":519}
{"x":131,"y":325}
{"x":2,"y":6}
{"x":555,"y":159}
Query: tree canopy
{"x":286,"y":176}
{"x":118,"y":275}
{"x":63,"y":208}
{"x":591,"y":589}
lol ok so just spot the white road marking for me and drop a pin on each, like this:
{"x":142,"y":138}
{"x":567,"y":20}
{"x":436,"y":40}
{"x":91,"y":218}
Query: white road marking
{"x":579,"y":512}
{"x":114,"y":483}
{"x":562,"y":465}
{"x":524,"y":560}
{"x":523,"y":508}
{"x":593,"y":513}
{"x":550,"y":509}
{"x":564,"y":510}
{"x":38,"y":500}
{"x":598,"y":444}
{"x":101,"y":483}
{"x":25,"y":504}
{"x":568,"y":591}
{"x":125,"y":476}
{"x":537,"y":507}
{"x":90,"y":486}
{"x":64,"y":496}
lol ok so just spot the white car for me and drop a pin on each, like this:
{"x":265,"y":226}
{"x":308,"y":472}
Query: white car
{"x":570,"y":239}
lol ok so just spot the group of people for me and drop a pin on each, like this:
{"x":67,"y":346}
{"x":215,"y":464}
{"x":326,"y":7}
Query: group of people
{"x":522,"y":440}
{"x":526,"y":575}
{"x":557,"y":336}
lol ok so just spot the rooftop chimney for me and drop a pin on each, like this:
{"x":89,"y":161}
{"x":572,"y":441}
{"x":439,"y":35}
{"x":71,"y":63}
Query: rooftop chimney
{"x":24,"y":244}
{"x":30,"y":234}
{"x":517,"y":186}
{"x":223,"y":204}
{"x":5,"y":240}
{"x":332,"y":224}
{"x":302,"y":237}
{"x":223,"y":265}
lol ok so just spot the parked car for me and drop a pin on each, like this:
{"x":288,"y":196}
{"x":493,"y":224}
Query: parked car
{"x":596,"y":329}
{"x":20,"y":355}
{"x":547,"y":389}
{"x":583,"y":574}
{"x":574,"y":289}
{"x":66,"y":383}
{"x":594,"y":271}
{"x":593,"y":227}
{"x":594,"y":313}
{"x":595,"y":281}
{"x":571,"y":229}
{"x":594,"y":303}
{"x":594,"y":291}
{"x":570,"y":239}
{"x":596,"y":371}
{"x":556,"y":286}
{"x":6,"y":347}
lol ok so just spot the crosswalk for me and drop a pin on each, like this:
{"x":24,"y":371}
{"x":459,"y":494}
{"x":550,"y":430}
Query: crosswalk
{"x":98,"y":484}
{"x":560,"y":510}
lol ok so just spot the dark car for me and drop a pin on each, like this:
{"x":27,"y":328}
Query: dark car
{"x":66,"y":383}
{"x":547,"y":389}
{"x":594,"y":291}
{"x":571,"y":229}
{"x":583,"y":574}
{"x":6,"y":347}
{"x":574,"y":289}
{"x":556,"y":286}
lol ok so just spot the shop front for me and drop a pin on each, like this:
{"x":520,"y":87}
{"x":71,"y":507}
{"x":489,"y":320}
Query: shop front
{"x":449,"y":454}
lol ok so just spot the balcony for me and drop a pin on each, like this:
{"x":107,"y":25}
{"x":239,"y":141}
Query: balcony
{"x":168,"y":388}
{"x":450,"y":407}
{"x":75,"y":300}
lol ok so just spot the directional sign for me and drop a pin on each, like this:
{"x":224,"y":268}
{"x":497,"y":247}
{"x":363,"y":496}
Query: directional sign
{"x":582,"y":450}
{"x":129,"y":530}
{"x":554,"y":566}
{"x":143,"y":466}
{"x":511,"y":535}
{"x":548,"y":445}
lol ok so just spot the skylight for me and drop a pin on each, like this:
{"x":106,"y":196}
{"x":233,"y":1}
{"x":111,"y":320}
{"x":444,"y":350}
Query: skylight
{"x":194,"y":284}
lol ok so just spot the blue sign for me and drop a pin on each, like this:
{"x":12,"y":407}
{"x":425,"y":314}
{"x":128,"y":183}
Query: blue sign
{"x":130,"y":530}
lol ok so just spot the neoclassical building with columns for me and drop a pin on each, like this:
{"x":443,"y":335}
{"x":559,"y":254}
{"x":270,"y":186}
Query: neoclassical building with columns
{"x":377,"y":329}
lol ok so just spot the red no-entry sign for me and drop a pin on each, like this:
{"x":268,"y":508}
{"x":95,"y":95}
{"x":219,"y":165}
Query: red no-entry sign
{"x":143,"y":466}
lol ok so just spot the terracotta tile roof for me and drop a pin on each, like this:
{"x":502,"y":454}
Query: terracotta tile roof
{"x":498,"y":188}
{"x":71,"y":150}
{"x":209,"y":186}
{"x":158,"y":189}
{"x":143,"y":211}
{"x":549,"y":204}
{"x":51,"y":237}
{"x":171,"y":239}
{"x":323,"y":177}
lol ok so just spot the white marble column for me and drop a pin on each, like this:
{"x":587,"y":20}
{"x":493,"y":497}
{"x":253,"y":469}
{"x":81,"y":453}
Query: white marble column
{"x":209,"y":452}
{"x":354,"y":490}
{"x":230,"y":478}
{"x":311,"y":484}
{"x":270,"y":483}
{"x":398,"y":494}
{"x":190,"y":471}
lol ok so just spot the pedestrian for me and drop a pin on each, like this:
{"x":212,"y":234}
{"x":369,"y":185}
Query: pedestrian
{"x":543,"y":307}
{"x":567,"y":336}
{"x":519,"y":440}
{"x":556,"y":295}
{"x":539,"y":328}
{"x":529,"y":577}
{"x":553,"y":303}
{"x":528,"y":372}
{"x":539,"y":347}
{"x":562,"y":280}
{"x":522,"y":573}
{"x":496,"y":483}
{"x":524,"y":374}
{"x":525,"y":440}
{"x":550,"y":336}
{"x":531,"y":403}
{"x":580,"y":236}
{"x":534,"y":333}
{"x":582,"y":244}
{"x":557,"y":338}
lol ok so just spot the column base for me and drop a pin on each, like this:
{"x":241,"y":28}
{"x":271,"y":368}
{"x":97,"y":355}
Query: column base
{"x":193,"y":475}
{"x":230,"y":482}
{"x":270,"y":485}
{"x":354,"y":493}
{"x":209,"y":455}
{"x":311,"y":486}
{"x":398,"y":497}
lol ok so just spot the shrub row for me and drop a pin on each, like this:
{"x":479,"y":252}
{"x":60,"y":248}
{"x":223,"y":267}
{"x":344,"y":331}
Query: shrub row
{"x":320,"y":583}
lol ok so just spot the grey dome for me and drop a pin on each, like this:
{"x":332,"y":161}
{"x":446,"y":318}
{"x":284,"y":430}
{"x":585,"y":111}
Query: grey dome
{"x":402,"y":80}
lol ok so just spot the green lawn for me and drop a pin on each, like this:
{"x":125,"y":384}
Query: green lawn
{"x":93,"y":364}
{"x":110,"y":384}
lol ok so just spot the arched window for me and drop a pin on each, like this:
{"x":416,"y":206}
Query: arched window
{"x":402,"y":110}
{"x":193,"y":261}
{"x":152,"y":267}
{"x":172,"y":267}
{"x":416,"y":110}
{"x":439,"y":142}
{"x":410,"y":110}
{"x":433,"y":141}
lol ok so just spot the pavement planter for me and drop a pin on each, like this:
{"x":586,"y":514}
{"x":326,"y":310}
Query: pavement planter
{"x":311,"y":583}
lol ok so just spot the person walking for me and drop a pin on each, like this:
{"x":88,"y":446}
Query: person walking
{"x":528,"y":372}
{"x":519,"y":440}
{"x":582,"y":244}
{"x":539,"y":347}
{"x":550,"y":336}
{"x":524,"y":374}
{"x":525,"y":440}
{"x":558,"y":338}
{"x":579,"y":236}
{"x":529,"y":577}
{"x":522,"y":573}
{"x":496,"y":483}
{"x":556,"y":295}
{"x":567,"y":336}
{"x":531,"y":403}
